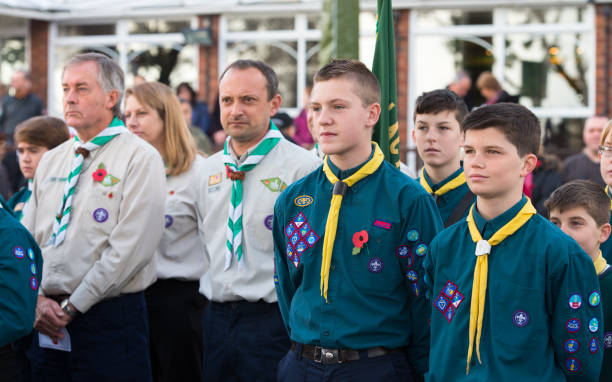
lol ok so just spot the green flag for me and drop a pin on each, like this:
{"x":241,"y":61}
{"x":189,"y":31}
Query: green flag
{"x":386,"y":131}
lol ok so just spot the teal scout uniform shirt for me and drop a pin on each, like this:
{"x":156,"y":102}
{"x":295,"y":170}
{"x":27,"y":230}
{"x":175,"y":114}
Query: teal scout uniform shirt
{"x":6,"y":207}
{"x":20,"y":273}
{"x":18,"y":201}
{"x":448,"y":201}
{"x":538,"y":322}
{"x":375,"y":297}
{"x":605,"y":284}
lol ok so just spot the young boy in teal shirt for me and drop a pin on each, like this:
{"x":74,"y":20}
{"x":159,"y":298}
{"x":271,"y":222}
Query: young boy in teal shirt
{"x":349,"y":241}
{"x":437,"y":135}
{"x":510,"y":292}
{"x":581,"y":210}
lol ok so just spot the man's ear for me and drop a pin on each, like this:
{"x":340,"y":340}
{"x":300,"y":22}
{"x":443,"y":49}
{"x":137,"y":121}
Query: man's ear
{"x":275,"y":104}
{"x":112,"y":98}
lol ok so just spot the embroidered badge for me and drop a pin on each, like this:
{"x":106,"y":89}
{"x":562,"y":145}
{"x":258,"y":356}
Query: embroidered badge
{"x":575,"y":301}
{"x":415,"y":289}
{"x":402,"y":251}
{"x":520,"y":318}
{"x":572,"y":364}
{"x":375,"y":265}
{"x":33,"y":283}
{"x":449,"y":289}
{"x":412,"y":275}
{"x":572,"y":325}
{"x":301,"y":237}
{"x":19,"y":252}
{"x":215,"y":179}
{"x":303,"y":200}
{"x":594,"y":299}
{"x":607,"y":341}
{"x":31,"y":254}
{"x":103,"y":177}
{"x":382,"y":224}
{"x":593,"y":325}
{"x":100,"y":215}
{"x":359,"y":240}
{"x":421,"y":250}
{"x":275,"y":279}
{"x":593,"y":345}
{"x":441,"y":303}
{"x":448,"y":300}
{"x":169,"y":220}
{"x":413,"y":235}
{"x":33,"y":269}
{"x":571,"y":346}
{"x":268,"y":222}
{"x":274,"y":184}
{"x":450,"y":312}
{"x":457,"y":299}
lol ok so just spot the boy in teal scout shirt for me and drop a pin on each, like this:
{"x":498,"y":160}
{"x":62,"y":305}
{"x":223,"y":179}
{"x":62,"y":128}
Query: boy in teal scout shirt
{"x":20,"y":273}
{"x":509,"y":290}
{"x":581,"y":210}
{"x":349,"y":240}
{"x":437,"y":136}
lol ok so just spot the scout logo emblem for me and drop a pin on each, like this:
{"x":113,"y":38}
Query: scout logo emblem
{"x":33,"y":283}
{"x":375,"y":265}
{"x":441,"y":303}
{"x":412,"y":235}
{"x":100,"y":215}
{"x":169,"y":220}
{"x":33,"y":269}
{"x":19,"y":252}
{"x":274,"y":184}
{"x":421,"y":250}
{"x":520,"y":318}
{"x":593,"y":325}
{"x":300,"y":235}
{"x":31,"y":254}
{"x":593,"y":345}
{"x":449,"y":289}
{"x":268,"y":222}
{"x":450,"y":312}
{"x":573,"y":325}
{"x":402,"y":251}
{"x":382,"y":224}
{"x":572,"y":364}
{"x":571,"y":346}
{"x":412,"y":275}
{"x":303,"y":200}
{"x":214,"y":179}
{"x":103,"y":177}
{"x":457,"y":299}
{"x":594,"y":299}
{"x":575,"y":301}
{"x":607,"y":340}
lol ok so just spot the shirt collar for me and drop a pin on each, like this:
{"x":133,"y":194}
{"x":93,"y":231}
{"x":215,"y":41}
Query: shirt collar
{"x":343,"y":174}
{"x":239,"y":160}
{"x":435,"y":187}
{"x":488,"y":228}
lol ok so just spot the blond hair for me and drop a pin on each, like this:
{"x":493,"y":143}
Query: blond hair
{"x":605,"y":133}
{"x":179,"y":145}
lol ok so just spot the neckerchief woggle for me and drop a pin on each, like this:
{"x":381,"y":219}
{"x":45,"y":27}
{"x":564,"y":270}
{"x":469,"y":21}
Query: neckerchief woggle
{"x":340,"y":188}
{"x":451,"y":185}
{"x":479,"y":285}
{"x":60,"y":224}
{"x":234,"y":224}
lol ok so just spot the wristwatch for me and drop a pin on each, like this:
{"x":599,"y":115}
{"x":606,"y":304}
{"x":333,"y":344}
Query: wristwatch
{"x":65,"y":305}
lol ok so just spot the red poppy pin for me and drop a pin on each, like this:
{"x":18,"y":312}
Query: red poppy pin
{"x":103,"y":177}
{"x":359,"y":240}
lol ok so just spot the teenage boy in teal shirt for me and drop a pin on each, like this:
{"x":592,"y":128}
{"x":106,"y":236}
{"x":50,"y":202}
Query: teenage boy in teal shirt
{"x":581,"y":209}
{"x":437,"y":136}
{"x":349,"y":243}
{"x":509,"y":290}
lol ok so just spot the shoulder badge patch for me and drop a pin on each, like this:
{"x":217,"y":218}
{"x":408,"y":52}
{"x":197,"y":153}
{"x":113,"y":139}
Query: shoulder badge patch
{"x":572,"y":325}
{"x":303,"y":200}
{"x":19,"y":252}
{"x":575,"y":301}
{"x":594,"y":299}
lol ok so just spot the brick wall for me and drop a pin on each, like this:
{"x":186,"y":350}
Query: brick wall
{"x":39,"y":46}
{"x":208,"y":71}
{"x":401,"y":24}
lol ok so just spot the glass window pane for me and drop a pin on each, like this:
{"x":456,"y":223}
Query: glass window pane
{"x":449,"y":17}
{"x":12,"y":58}
{"x":313,"y":20}
{"x":276,"y":54}
{"x":169,"y":64}
{"x":550,"y":70}
{"x":550,"y":15}
{"x":86,"y":30}
{"x":157,"y":26}
{"x":241,"y":23}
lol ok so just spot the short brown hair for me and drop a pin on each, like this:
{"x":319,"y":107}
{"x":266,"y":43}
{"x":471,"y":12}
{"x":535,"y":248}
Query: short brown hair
{"x":366,"y":83}
{"x":268,"y":73}
{"x":438,"y":101}
{"x":584,"y":194}
{"x":487,"y":80}
{"x":519,"y":125}
{"x":42,"y":131}
{"x":605,"y":133}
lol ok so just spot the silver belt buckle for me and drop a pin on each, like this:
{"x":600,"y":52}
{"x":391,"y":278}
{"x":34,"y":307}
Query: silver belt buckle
{"x":326,"y":356}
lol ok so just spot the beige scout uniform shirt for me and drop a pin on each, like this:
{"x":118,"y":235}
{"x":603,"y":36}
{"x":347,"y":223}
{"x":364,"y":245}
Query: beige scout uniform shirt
{"x":253,"y":279}
{"x":115,"y":224}
{"x":180,"y":254}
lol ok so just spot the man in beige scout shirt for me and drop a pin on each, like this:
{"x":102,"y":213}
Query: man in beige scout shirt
{"x":244,"y":336}
{"x":96,"y":211}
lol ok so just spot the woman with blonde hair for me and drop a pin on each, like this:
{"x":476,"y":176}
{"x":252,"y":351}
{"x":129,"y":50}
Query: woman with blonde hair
{"x":175,"y":306}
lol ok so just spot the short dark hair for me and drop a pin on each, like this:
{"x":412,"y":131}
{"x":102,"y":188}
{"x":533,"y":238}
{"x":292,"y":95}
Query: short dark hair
{"x":437,"y":101}
{"x":192,"y":93}
{"x":518,"y":124}
{"x":366,"y":83}
{"x":42,"y":131}
{"x":268,"y":73}
{"x":584,"y":194}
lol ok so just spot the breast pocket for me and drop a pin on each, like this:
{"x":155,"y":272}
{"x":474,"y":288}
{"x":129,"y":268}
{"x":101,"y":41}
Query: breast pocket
{"x":101,"y":214}
{"x":376,"y":266}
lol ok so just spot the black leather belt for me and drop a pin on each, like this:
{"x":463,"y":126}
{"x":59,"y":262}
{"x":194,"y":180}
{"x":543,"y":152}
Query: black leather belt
{"x":331,"y":356}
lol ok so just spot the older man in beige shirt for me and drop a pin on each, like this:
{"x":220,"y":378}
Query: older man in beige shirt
{"x":97,"y":212}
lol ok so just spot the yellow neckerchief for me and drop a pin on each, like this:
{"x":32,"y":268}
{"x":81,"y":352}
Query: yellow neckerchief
{"x":479,"y":286}
{"x":610,"y":196}
{"x":451,"y":185}
{"x":600,"y":264}
{"x":334,"y":209}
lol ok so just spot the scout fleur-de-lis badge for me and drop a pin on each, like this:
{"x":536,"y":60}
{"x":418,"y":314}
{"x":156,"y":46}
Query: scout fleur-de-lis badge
{"x":103,"y":177}
{"x":360,"y":239}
